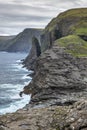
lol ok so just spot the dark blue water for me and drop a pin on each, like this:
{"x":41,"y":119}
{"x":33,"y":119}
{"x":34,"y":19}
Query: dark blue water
{"x":12,"y":80}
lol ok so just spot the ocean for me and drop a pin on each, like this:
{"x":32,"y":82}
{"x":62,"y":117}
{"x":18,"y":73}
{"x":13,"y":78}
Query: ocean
{"x":13,"y":77}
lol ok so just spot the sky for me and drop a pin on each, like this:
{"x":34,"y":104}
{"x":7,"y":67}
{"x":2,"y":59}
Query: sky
{"x":16,"y":15}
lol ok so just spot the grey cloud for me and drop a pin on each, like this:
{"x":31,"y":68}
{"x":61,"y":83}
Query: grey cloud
{"x":15,"y":15}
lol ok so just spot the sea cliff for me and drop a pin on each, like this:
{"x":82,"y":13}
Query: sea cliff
{"x":59,"y":84}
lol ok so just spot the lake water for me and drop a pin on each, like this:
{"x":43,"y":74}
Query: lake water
{"x":12,"y":80}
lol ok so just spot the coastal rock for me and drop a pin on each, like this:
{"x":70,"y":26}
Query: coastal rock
{"x":59,"y":78}
{"x":48,"y":118}
{"x":35,"y":52}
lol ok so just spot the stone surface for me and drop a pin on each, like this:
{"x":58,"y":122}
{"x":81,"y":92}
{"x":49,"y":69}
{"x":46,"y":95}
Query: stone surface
{"x":59,"y":78}
{"x":47,"y":118}
{"x":35,"y":52}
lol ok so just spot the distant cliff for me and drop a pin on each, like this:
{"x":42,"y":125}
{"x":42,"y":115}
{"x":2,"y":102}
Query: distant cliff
{"x":23,"y":41}
{"x":4,"y":42}
{"x":20,"y":43}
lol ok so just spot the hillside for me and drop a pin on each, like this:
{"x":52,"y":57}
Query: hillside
{"x":23,"y":41}
{"x":4,"y":42}
{"x":70,"y":22}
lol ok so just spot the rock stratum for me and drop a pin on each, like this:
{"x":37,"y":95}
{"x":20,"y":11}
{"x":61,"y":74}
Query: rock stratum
{"x":59,"y":84}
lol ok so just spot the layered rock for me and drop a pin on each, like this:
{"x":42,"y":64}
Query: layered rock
{"x":49,"y":118}
{"x":35,"y":52}
{"x":59,"y":78}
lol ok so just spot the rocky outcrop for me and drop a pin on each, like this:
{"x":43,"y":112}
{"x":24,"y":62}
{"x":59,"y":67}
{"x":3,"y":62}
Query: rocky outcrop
{"x":47,"y":118}
{"x":59,"y":78}
{"x":35,"y":52}
{"x":23,"y":41}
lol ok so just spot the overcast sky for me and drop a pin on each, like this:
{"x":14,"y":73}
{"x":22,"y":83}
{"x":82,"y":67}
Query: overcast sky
{"x":16,"y":15}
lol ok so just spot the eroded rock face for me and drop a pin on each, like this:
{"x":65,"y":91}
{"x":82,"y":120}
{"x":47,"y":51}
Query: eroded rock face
{"x":59,"y":78}
{"x":34,"y":53}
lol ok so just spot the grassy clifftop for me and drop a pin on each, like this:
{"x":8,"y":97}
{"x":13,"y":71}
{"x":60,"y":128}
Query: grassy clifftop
{"x":70,"y":25}
{"x":80,"y":13}
{"x":74,"y":45}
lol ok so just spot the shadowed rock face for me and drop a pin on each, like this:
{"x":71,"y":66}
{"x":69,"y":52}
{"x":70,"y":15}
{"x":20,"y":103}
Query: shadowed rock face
{"x":34,"y":53}
{"x":84,"y":37}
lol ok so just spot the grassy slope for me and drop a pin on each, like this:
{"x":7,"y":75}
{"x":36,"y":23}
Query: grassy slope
{"x":74,"y":45}
{"x":79,"y":28}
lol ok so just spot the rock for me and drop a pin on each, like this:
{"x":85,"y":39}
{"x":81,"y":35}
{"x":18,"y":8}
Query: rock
{"x":34,"y":53}
{"x":58,"y":79}
{"x":47,"y":118}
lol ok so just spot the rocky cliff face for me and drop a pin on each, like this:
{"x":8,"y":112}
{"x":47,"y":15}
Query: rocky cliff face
{"x":23,"y":41}
{"x":35,"y":52}
{"x":60,"y":72}
{"x":60,"y":78}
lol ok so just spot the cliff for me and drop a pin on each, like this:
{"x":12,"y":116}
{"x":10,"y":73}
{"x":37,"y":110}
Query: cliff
{"x":23,"y":41}
{"x":70,"y":22}
{"x":59,"y":85}
{"x":4,"y":42}
{"x":60,"y":71}
{"x":35,"y":52}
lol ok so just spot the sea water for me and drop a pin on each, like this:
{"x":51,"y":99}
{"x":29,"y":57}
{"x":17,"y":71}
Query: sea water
{"x":13,"y":77}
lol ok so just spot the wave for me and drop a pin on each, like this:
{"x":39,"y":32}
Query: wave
{"x":26,"y":77}
{"x":11,"y":99}
{"x":13,"y":107}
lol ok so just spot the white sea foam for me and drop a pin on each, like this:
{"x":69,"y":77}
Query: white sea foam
{"x":18,"y":67}
{"x":13,"y":94}
{"x":16,"y":105}
{"x":26,"y":77}
{"x":10,"y":91}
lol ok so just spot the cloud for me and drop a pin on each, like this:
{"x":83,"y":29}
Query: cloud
{"x":15,"y":15}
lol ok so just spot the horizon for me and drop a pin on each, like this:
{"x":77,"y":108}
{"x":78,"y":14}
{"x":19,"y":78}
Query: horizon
{"x":17,"y":15}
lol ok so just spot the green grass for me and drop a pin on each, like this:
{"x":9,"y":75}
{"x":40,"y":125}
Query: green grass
{"x":79,"y":13}
{"x":80,"y":28}
{"x":74,"y":45}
